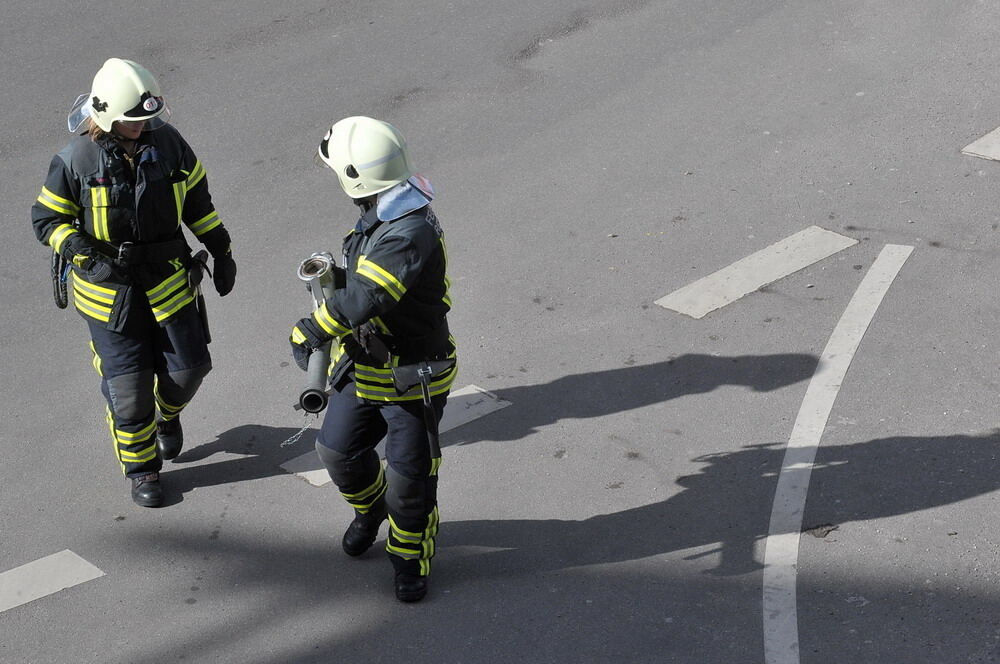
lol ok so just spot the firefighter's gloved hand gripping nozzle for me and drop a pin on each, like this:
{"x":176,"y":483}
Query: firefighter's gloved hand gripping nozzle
{"x":318,"y":272}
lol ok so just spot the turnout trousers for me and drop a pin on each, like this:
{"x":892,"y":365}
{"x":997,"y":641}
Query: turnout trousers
{"x":407,"y":483}
{"x":148,"y":371}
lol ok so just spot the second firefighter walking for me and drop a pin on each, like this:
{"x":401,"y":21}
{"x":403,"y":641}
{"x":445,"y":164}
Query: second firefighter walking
{"x":387,"y":318}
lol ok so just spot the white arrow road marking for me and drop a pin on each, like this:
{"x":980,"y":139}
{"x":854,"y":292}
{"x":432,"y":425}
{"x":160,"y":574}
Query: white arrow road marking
{"x":781,"y":635}
{"x":43,"y":577}
{"x":748,"y":274}
{"x":987,"y":147}
{"x":464,"y":405}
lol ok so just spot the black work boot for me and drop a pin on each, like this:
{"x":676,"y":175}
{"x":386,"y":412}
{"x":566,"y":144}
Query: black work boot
{"x":410,"y":588}
{"x":169,"y":438}
{"x":146,"y":490}
{"x":363,"y":531}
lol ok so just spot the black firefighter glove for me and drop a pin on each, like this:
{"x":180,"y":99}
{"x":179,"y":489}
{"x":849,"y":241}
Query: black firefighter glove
{"x":79,"y":251}
{"x":306,"y":337}
{"x":224,"y":274}
{"x":99,"y":268}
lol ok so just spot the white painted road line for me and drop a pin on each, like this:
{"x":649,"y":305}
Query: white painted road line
{"x":464,"y":405}
{"x":468,"y":404}
{"x":781,"y":635}
{"x":987,"y":147}
{"x":43,"y":577}
{"x":747,"y":275}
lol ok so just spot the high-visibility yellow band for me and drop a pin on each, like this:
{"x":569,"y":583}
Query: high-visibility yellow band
{"x":167,"y":309}
{"x":196,"y":176}
{"x":180,"y":193}
{"x":93,"y":291}
{"x":381,"y":277}
{"x":378,"y":485}
{"x":59,"y":235}
{"x":99,"y":210}
{"x":145,"y":454}
{"x":134,"y":437}
{"x":205,"y":224}
{"x":331,"y":325}
{"x":58,"y":204}
{"x":167,"y":286}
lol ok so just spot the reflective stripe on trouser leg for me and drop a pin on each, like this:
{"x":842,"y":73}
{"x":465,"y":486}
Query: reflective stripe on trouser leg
{"x":135,"y":446}
{"x":131,"y":420}
{"x":361,"y":479}
{"x":174,"y":389}
{"x":413,"y":521}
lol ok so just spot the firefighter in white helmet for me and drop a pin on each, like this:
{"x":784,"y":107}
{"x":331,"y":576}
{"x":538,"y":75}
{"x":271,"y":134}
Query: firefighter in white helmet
{"x":113,"y":206}
{"x":388,"y":314}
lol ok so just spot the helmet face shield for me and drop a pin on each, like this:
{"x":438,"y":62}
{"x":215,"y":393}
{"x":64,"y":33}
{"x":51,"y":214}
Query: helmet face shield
{"x":80,"y":111}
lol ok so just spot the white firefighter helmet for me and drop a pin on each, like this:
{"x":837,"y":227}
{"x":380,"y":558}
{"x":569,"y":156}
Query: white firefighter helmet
{"x":368,"y":155}
{"x":124,"y":91}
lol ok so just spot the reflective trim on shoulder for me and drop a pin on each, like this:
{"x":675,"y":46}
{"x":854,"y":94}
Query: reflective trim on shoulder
{"x":196,"y":176}
{"x":57,"y":203}
{"x":381,"y":277}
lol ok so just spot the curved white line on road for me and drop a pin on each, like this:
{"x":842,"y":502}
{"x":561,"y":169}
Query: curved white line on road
{"x":781,"y":635}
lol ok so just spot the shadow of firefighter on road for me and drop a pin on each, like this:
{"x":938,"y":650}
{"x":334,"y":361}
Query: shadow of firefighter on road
{"x":728,"y":505}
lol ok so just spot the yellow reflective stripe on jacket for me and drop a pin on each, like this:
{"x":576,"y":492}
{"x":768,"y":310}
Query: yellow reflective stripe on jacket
{"x":99,"y":210}
{"x":58,"y":204}
{"x":196,"y":176}
{"x":92,"y":300}
{"x":447,"y":282}
{"x":381,"y":277}
{"x":205,"y":224}
{"x":331,"y":325}
{"x":59,"y":235}
{"x":165,"y":310}
{"x":93,"y":291}
{"x":376,"y":384}
{"x":170,"y":296}
{"x":180,"y":193}
{"x":167,"y":286}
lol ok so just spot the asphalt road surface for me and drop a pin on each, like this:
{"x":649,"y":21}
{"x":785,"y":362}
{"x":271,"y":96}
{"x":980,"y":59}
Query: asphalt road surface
{"x":590,"y":159}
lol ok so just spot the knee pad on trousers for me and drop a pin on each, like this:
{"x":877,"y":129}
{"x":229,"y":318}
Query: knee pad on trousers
{"x":406,"y":497}
{"x":131,"y":395}
{"x":178,"y":387}
{"x":349,"y":472}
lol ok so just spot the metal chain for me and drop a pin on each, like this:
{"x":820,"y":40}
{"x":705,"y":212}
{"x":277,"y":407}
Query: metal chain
{"x":294,"y":438}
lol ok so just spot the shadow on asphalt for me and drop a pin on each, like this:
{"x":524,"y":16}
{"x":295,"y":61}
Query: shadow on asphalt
{"x":599,"y":393}
{"x":729,"y":503}
{"x":575,"y":396}
{"x":259,"y":453}
{"x":533,"y":587}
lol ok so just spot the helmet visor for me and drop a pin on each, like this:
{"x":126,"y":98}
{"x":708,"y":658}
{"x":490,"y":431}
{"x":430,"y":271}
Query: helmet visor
{"x":78,"y":113}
